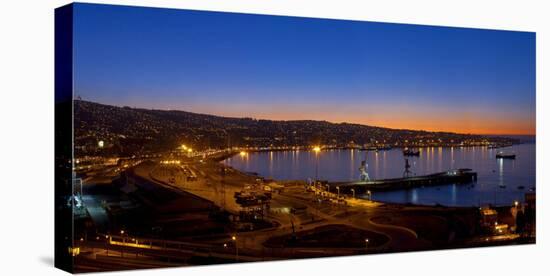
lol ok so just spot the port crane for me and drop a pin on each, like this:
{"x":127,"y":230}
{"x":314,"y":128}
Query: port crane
{"x":407,"y":172}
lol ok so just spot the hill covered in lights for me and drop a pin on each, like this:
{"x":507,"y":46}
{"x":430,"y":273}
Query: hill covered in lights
{"x":127,"y":131}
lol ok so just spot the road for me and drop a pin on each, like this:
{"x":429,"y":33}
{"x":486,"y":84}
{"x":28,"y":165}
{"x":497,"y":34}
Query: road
{"x":209,"y":184}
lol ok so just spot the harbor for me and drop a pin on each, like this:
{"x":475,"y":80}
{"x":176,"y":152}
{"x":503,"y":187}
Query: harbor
{"x":430,"y":179}
{"x":462,"y":176}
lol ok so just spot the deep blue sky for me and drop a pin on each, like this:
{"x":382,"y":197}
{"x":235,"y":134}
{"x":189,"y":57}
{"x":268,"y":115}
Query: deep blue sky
{"x":402,"y":76}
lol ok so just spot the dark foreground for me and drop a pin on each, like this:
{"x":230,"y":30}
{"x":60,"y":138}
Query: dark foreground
{"x":162,"y":215}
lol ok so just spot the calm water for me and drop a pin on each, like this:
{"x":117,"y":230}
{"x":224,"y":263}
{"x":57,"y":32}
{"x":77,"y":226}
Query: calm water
{"x":343,"y":165}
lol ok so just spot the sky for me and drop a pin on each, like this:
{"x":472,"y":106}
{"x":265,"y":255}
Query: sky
{"x":289,"y":68}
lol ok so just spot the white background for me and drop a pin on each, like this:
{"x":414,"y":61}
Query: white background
{"x":26,"y":135}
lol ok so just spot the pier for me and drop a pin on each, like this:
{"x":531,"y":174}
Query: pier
{"x":459,"y":176}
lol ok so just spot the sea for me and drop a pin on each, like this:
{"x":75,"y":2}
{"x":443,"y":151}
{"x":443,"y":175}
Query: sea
{"x":500,"y":181}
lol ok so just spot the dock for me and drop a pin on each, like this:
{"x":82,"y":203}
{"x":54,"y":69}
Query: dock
{"x":459,"y":176}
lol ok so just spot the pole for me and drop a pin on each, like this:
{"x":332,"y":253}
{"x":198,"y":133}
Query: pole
{"x":107,"y":241}
{"x":234,"y":238}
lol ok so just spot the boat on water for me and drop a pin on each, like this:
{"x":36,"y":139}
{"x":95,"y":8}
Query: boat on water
{"x":504,"y":155}
{"x":410,"y":152}
{"x":375,"y":148}
{"x":498,"y":146}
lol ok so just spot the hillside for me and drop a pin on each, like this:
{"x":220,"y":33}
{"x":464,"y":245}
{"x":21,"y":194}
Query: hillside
{"x":128,"y":130}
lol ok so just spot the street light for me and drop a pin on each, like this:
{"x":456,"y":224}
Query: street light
{"x":338,"y":189}
{"x":353,"y":191}
{"x":123,"y":241}
{"x":316,"y":149}
{"x":107,"y":242}
{"x":370,"y":195}
{"x":366,"y":243}
{"x":234,"y":238}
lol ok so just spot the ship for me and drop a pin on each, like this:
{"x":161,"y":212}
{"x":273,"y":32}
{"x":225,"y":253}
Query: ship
{"x":386,"y":147}
{"x":376,"y":148}
{"x":498,"y":146}
{"x":503,"y":155}
{"x":410,"y":152}
{"x":372,"y":148}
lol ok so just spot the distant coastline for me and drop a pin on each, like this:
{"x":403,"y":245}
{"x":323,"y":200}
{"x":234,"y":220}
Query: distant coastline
{"x":524,"y":139}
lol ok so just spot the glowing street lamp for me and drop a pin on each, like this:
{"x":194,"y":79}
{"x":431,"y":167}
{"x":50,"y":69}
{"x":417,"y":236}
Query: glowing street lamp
{"x":338,"y":189}
{"x":107,"y":241}
{"x":234,"y":238}
{"x":242,"y":153}
{"x":353,"y":191}
{"x":316,"y":149}
{"x":123,"y":241}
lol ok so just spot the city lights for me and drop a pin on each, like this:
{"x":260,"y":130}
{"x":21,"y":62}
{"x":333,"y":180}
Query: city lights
{"x":170,"y":162}
{"x":188,"y":168}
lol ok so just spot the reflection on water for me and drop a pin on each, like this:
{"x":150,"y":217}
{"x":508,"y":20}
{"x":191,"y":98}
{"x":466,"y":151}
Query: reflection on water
{"x":498,"y":179}
{"x":501,"y":172}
